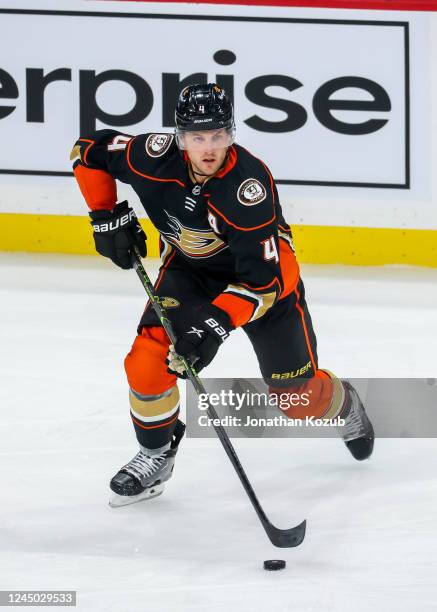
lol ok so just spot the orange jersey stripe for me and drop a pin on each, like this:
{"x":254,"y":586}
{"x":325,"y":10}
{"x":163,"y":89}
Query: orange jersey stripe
{"x":87,"y":149}
{"x":275,"y":280}
{"x":167,"y":263}
{"x":299,"y":307}
{"x":289,"y":268}
{"x":244,"y":229}
{"x":152,"y":178}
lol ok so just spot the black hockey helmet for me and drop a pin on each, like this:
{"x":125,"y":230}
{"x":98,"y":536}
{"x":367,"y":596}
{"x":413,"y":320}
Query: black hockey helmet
{"x":204,"y":107}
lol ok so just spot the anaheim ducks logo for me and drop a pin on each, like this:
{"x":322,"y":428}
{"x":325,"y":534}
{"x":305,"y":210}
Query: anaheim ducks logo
{"x":158,"y":144}
{"x":193,"y":242}
{"x":251,"y":192}
{"x":168,"y":302}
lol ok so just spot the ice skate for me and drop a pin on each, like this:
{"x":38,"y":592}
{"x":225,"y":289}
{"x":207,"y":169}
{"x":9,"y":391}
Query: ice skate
{"x":144,"y":476}
{"x":357,"y":433}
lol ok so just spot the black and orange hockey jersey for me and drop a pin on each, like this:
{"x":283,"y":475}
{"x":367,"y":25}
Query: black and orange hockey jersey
{"x":230,"y":227}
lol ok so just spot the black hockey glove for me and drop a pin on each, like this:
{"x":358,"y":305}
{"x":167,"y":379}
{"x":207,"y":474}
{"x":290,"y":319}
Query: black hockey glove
{"x":116,"y":232}
{"x":200,"y":341}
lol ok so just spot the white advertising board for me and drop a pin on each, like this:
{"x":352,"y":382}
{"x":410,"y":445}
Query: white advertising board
{"x":325,"y":100}
{"x":338,"y":103}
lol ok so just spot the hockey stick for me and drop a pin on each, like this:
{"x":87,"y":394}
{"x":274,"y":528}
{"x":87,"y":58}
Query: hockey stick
{"x":282,"y":538}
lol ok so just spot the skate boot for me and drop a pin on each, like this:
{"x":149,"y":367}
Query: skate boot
{"x":357,"y":433}
{"x":144,"y":476}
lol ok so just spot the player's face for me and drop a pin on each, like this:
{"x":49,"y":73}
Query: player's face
{"x":206,"y":150}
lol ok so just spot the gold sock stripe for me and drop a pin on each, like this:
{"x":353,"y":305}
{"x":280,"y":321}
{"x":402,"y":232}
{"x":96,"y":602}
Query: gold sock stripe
{"x":337,"y":397}
{"x":152,"y":410}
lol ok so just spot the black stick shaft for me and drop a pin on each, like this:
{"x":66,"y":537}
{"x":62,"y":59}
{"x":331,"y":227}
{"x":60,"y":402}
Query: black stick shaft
{"x":278,"y":537}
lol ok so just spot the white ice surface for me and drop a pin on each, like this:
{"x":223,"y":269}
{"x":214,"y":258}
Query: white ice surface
{"x":65,"y":326}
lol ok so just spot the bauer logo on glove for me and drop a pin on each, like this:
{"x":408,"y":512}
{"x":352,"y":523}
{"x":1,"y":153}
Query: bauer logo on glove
{"x":115,"y":224}
{"x":219,"y":330}
{"x":116,"y":232}
{"x":199,"y":343}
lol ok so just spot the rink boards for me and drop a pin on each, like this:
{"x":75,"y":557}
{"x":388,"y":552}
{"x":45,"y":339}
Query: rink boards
{"x":314,"y":244}
{"x":337,"y":102}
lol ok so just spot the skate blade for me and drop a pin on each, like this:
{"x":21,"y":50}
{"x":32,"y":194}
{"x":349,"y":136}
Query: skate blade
{"x":116,"y":501}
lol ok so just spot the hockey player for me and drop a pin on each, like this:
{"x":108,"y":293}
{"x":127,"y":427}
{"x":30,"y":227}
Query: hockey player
{"x":227,"y":261}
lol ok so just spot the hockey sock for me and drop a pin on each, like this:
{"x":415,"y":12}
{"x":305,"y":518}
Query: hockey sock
{"x":321,"y":396}
{"x":154,"y":418}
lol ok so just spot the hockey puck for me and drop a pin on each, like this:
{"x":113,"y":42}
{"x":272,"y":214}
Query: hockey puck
{"x":274,"y":564}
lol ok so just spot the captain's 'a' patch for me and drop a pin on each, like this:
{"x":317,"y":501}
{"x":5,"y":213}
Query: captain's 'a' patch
{"x":251,"y":192}
{"x":158,"y":144}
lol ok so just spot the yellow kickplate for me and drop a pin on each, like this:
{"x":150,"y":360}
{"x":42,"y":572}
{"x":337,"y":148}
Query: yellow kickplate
{"x":314,"y":243}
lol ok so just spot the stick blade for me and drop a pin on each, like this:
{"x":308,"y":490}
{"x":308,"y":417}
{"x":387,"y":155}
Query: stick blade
{"x":286,"y":538}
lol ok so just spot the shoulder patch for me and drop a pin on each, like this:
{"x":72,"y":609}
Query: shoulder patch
{"x":158,"y":144}
{"x":251,"y":192}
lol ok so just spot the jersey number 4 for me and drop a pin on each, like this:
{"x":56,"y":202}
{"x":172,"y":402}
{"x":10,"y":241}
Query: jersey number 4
{"x":119,"y":143}
{"x":270,"y":250}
